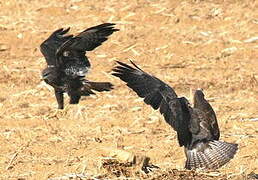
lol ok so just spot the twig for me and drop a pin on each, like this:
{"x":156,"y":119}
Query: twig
{"x":15,"y":156}
{"x":251,"y":119}
{"x":74,"y":176}
{"x":69,"y":176}
{"x":251,"y":40}
{"x":11,"y":161}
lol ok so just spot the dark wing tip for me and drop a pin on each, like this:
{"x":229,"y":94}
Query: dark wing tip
{"x":122,"y":66}
{"x":66,"y":30}
{"x":135,"y":65}
{"x":60,"y":31}
{"x":104,"y":26}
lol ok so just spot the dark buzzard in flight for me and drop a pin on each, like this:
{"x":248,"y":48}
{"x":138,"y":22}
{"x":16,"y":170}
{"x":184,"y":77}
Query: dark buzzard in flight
{"x":197,"y":128}
{"x":68,"y":65}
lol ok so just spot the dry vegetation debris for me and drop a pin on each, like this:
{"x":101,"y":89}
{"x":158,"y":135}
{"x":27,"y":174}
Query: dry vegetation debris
{"x":189,"y":44}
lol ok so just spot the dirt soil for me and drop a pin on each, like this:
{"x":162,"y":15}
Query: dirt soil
{"x":189,"y":44}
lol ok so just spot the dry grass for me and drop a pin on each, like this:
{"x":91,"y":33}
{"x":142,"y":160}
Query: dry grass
{"x":190,"y":44}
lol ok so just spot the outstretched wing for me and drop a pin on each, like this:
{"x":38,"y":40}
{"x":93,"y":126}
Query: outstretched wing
{"x":203,"y":105}
{"x":87,"y":40}
{"x":49,"y":47}
{"x":159,"y":95}
{"x":146,"y":86}
{"x":94,"y":36}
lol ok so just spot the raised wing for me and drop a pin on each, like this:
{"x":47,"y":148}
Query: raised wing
{"x":95,"y":36}
{"x":203,"y":105}
{"x":159,"y":95}
{"x":49,"y":47}
{"x":145,"y":85}
{"x":87,"y":40}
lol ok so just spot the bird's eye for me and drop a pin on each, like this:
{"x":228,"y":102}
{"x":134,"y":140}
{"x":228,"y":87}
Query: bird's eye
{"x":66,"y":53}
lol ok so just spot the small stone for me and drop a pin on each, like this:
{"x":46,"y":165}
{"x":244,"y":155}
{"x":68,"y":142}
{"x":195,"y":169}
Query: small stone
{"x":123,"y":156}
{"x":3,"y":47}
{"x":228,"y":51}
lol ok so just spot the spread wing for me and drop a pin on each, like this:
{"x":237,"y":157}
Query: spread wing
{"x":49,"y":47}
{"x":95,"y":36}
{"x":157,"y":94}
{"x":87,"y":40}
{"x":203,"y":105}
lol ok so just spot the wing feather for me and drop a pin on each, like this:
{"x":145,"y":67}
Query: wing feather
{"x":88,"y":40}
{"x":49,"y":47}
{"x":95,"y":36}
{"x":158,"y":95}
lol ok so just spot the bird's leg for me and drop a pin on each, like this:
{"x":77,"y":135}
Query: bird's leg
{"x":74,"y":99}
{"x":59,"y":99}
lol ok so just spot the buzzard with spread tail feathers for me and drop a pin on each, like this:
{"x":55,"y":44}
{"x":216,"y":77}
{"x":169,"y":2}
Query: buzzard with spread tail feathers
{"x":197,"y":128}
{"x":68,"y":64}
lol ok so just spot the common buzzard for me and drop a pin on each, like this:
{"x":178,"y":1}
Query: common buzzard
{"x":197,"y":128}
{"x":67,"y":63}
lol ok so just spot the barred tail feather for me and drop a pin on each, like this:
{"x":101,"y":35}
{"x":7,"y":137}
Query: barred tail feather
{"x":210,"y":155}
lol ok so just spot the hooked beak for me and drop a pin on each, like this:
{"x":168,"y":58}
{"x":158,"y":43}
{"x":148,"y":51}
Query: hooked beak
{"x":43,"y":78}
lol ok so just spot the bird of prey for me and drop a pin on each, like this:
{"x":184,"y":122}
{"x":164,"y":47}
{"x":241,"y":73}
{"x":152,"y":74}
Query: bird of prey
{"x":197,"y":128}
{"x":67,"y":63}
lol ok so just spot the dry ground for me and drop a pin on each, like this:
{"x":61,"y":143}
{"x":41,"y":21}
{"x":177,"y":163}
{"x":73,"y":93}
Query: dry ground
{"x":189,"y":44}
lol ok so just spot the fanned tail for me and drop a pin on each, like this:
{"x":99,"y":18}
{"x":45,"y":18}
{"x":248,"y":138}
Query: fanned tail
{"x":210,"y":155}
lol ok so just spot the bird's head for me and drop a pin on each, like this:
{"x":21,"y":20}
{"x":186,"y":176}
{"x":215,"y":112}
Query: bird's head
{"x":48,"y":73}
{"x":198,"y":96}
